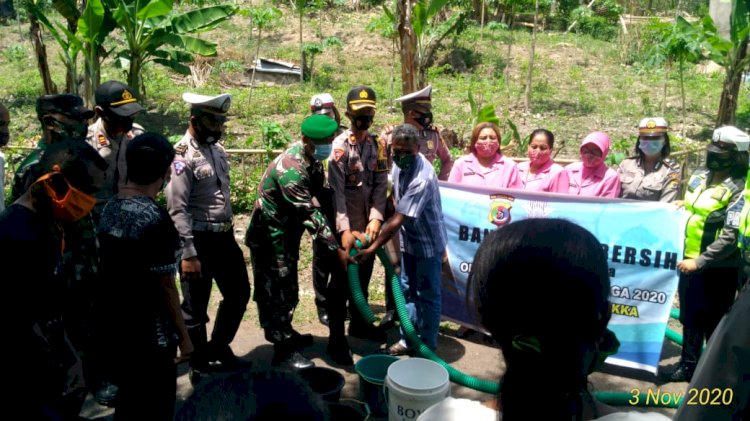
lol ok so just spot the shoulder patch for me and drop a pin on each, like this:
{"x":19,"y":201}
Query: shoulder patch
{"x":102,"y":140}
{"x":179,"y":167}
{"x":180,"y":149}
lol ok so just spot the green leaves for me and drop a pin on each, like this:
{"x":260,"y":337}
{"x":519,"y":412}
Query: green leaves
{"x":200,"y":19}
{"x":154,"y":8}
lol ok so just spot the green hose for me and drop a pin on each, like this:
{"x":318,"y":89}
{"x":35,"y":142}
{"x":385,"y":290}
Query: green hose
{"x":675,"y":313}
{"x":423,"y":350}
{"x":456,"y":376}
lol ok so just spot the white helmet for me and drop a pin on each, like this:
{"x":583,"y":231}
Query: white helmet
{"x":731,"y":134}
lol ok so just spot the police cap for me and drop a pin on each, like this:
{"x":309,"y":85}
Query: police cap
{"x":218,"y":104}
{"x":118,"y":98}
{"x":360,"y":97}
{"x":65,"y":104}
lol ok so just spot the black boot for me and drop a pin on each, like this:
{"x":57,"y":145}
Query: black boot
{"x":286,"y":357}
{"x":221,"y":358}
{"x":198,"y":360}
{"x":322,"y":313}
{"x":683,"y":373}
{"x":339,"y":351}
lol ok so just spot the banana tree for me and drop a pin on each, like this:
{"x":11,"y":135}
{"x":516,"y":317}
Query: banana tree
{"x":154,"y":33}
{"x":732,"y":54}
{"x":94,"y":25}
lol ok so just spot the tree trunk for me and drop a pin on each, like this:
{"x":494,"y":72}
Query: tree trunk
{"x":731,"y":88}
{"x":301,"y":52}
{"x":506,"y":70}
{"x":481,"y":30}
{"x":134,"y":75}
{"x":666,"y":80}
{"x":35,"y":31}
{"x":531,"y":57}
{"x":408,"y":44}
{"x":682,"y":94}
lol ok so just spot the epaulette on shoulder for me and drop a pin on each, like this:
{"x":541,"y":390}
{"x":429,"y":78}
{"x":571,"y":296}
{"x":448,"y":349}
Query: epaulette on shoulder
{"x":181,"y":148}
{"x":671,"y":163}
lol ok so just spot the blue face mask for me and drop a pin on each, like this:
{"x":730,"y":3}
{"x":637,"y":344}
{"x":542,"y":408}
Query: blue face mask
{"x":322,"y":151}
{"x":651,"y":147}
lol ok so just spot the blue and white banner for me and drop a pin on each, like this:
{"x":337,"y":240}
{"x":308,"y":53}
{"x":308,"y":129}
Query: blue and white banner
{"x":643,"y":242}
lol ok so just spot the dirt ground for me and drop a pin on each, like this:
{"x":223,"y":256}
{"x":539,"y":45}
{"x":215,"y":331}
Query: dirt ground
{"x":474,"y":355}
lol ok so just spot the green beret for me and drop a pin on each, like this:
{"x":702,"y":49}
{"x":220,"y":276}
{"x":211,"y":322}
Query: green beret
{"x":319,"y":127}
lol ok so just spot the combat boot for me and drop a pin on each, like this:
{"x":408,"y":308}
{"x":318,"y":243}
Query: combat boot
{"x":286,"y":357}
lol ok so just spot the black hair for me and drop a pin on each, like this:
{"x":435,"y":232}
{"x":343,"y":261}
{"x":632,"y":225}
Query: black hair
{"x":263,"y":396}
{"x":665,"y":150}
{"x":739,"y":167}
{"x":544,"y":284}
{"x":405,"y":133}
{"x":76,"y":160}
{"x":547,"y":133}
{"x":148,"y":156}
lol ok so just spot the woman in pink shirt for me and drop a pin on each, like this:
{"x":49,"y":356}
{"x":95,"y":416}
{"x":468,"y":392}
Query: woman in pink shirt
{"x":485,"y":165}
{"x":540,"y":173}
{"x":591,"y":176}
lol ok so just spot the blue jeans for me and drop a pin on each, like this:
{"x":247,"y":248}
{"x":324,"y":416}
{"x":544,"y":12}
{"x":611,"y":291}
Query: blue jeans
{"x":420,"y":283}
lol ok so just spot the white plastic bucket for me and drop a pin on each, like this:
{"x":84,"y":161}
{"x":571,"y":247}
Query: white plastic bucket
{"x":413,"y":385}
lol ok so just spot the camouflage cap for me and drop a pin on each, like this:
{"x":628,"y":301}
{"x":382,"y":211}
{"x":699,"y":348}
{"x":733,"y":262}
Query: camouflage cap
{"x":319,"y":127}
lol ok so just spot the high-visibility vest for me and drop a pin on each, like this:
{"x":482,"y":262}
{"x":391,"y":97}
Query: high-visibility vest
{"x":744,"y":230}
{"x":703,"y":202}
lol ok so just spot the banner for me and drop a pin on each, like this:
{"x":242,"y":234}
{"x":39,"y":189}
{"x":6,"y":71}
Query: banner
{"x":643,"y":242}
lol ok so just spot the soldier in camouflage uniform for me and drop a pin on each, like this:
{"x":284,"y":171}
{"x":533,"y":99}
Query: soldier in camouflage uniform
{"x":284,"y":209}
{"x":63,"y":117}
{"x":198,"y":201}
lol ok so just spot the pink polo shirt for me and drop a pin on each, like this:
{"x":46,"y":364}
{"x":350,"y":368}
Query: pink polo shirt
{"x":550,"y":178}
{"x":603,"y":182}
{"x":502,"y":173}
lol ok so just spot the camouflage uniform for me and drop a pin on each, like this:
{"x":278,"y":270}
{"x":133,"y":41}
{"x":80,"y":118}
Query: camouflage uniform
{"x":284,"y":209}
{"x":662,"y":184}
{"x":113,"y":151}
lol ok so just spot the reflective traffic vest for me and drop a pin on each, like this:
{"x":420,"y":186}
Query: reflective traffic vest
{"x":744,"y":231}
{"x":708,"y":208}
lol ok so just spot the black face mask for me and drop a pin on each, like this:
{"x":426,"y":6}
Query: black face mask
{"x":716,"y":161}
{"x":424,"y":119}
{"x":76,"y":130}
{"x":117,"y":124}
{"x":362,"y":122}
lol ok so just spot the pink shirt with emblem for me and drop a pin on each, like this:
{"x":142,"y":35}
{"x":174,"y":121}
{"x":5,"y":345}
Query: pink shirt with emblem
{"x":602,"y":182}
{"x":503,"y":172}
{"x":550,"y":178}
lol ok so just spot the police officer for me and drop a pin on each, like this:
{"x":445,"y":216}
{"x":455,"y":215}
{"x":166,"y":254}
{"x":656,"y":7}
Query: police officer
{"x":323,"y":260}
{"x":284,"y":209}
{"x":743,"y":206}
{"x":198,"y":201}
{"x":417,"y":109}
{"x":709,"y":271}
{"x":62,"y":116}
{"x":358,"y":173}
{"x":650,"y":174}
{"x":116,"y":107}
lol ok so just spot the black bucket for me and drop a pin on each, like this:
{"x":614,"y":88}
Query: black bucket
{"x":341,"y":412}
{"x":324,"y":381}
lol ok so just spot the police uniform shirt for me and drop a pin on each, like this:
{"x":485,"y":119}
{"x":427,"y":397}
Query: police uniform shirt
{"x":358,"y":175}
{"x":113,"y":152}
{"x":431,"y":144}
{"x":662,"y":184}
{"x":199,"y":189}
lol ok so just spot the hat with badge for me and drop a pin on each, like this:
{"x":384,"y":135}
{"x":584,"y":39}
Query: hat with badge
{"x":65,"y":104}
{"x":422,"y":97}
{"x":652,"y":126}
{"x":319,"y":127}
{"x":321,"y":103}
{"x":732,"y":135}
{"x":360,"y":97}
{"x":218,"y":104}
{"x":118,"y":98}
